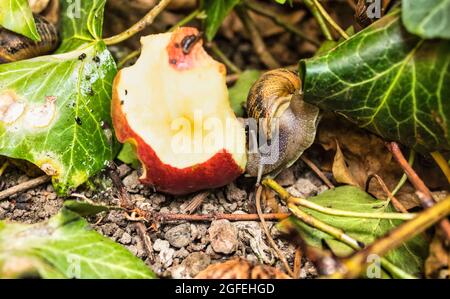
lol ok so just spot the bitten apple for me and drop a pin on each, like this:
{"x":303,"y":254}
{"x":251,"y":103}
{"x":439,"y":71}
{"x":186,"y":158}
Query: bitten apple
{"x":173,"y":106}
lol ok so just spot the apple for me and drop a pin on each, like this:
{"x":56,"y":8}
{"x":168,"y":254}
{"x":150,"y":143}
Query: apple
{"x":173,"y":106}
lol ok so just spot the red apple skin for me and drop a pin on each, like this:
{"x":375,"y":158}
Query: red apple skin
{"x":218,"y":171}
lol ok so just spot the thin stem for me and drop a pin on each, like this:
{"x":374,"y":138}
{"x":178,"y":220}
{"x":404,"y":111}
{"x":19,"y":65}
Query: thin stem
{"x":267,"y":12}
{"x":313,"y":206}
{"x":267,"y":232}
{"x":127,"y":58}
{"x":426,"y":197}
{"x":185,"y":20}
{"x":317,"y":171}
{"x":391,"y":198}
{"x":224,"y":58}
{"x":257,"y":40}
{"x":24,"y":186}
{"x":330,"y":20}
{"x":357,"y":263}
{"x":442,"y":163}
{"x":163,"y":217}
{"x":412,"y":155}
{"x":139,"y":26}
{"x":341,"y":236}
{"x":320,"y":20}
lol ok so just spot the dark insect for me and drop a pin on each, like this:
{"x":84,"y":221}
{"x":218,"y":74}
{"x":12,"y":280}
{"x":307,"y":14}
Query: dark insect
{"x":82,"y":56}
{"x":188,"y":42}
{"x":241,"y":269}
{"x":78,"y":120}
{"x":15,"y":47}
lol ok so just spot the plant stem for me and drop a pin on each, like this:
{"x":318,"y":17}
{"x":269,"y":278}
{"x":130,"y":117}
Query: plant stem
{"x":313,"y":206}
{"x":426,"y":197}
{"x":139,"y":26}
{"x":163,"y":217}
{"x":442,"y":163}
{"x":224,"y":58}
{"x":317,"y":171}
{"x":356,"y":264}
{"x":391,"y":198}
{"x":330,"y":20}
{"x":127,"y":58}
{"x":267,"y":232}
{"x":343,"y":237}
{"x":257,"y":40}
{"x":185,"y":20}
{"x":24,"y":186}
{"x":318,"y":16}
{"x":267,"y":12}
{"x":412,"y":155}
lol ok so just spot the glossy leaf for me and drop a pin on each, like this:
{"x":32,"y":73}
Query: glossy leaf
{"x":16,"y":15}
{"x":64,"y":247}
{"x":427,"y":18}
{"x":216,"y":11}
{"x":81,"y":23}
{"x":409,"y":257}
{"x":388,"y":81}
{"x":58,"y":107}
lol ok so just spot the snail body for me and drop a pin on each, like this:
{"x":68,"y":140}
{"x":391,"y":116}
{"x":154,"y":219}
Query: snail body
{"x":15,"y":47}
{"x":287,"y":122}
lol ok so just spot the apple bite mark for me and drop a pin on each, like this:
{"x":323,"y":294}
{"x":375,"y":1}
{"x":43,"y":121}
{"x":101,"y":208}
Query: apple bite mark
{"x":178,"y":115}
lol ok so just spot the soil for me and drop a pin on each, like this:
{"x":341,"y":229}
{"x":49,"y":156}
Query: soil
{"x":179,"y":249}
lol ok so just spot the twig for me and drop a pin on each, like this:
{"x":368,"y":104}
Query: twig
{"x":127,"y":58}
{"x":284,"y":195}
{"x":167,"y":217}
{"x":257,"y":40}
{"x":125,"y":200}
{"x":267,"y":12}
{"x":317,"y":171}
{"x":24,"y":186}
{"x":297,"y":262}
{"x":267,"y":232}
{"x":442,"y":163}
{"x":196,"y":202}
{"x":224,"y":58}
{"x":426,"y":199}
{"x":330,"y":20}
{"x":318,"y":16}
{"x":185,"y":20}
{"x":395,"y":202}
{"x":356,"y":264}
{"x":139,"y":26}
{"x":343,"y":237}
{"x":412,"y":155}
{"x":142,"y":231}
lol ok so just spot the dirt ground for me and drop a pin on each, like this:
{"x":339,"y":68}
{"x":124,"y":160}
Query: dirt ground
{"x":179,"y":249}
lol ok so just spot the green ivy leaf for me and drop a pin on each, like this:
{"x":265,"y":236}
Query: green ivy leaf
{"x":409,"y":257}
{"x":16,"y":15}
{"x":427,"y":18}
{"x":216,"y":11}
{"x":388,"y":81}
{"x":128,"y":155}
{"x":238,"y":93}
{"x":65,"y":247}
{"x":62,"y":120}
{"x":81,"y":23}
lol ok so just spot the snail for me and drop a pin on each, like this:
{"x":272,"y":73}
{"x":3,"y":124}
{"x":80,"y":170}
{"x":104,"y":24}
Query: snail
{"x":287,"y":124}
{"x":14,"y":47}
{"x":38,"y":6}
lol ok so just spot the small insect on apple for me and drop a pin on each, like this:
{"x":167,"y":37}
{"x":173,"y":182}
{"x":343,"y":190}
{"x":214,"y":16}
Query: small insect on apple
{"x":173,"y":106}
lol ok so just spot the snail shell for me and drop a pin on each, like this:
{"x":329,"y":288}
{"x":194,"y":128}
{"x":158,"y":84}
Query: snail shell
{"x":289,"y":124}
{"x":38,"y":6}
{"x":15,"y":47}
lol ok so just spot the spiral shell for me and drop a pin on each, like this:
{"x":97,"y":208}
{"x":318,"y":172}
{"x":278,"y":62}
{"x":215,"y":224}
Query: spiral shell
{"x":276,"y":103}
{"x":15,"y":47}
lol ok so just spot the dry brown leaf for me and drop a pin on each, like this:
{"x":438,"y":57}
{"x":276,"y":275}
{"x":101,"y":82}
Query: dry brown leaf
{"x":340,"y":169}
